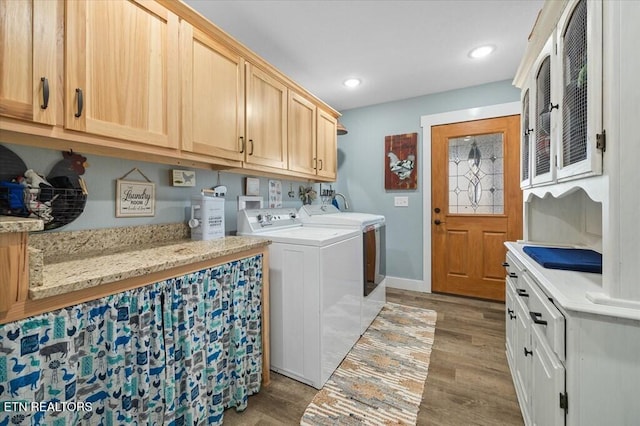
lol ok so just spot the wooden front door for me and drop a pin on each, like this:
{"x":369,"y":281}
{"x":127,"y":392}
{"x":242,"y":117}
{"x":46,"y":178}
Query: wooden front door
{"x":476,"y":204}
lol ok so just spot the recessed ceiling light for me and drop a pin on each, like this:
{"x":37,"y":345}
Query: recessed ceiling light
{"x":481,"y":52}
{"x":352,"y":82}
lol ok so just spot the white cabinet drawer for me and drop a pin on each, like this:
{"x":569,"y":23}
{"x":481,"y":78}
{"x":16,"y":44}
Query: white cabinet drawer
{"x":515,"y":271}
{"x":513,"y":266}
{"x":546,"y":317}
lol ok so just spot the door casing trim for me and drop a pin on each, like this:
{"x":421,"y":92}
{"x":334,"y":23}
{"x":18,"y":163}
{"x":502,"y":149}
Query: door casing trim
{"x":426,"y":122}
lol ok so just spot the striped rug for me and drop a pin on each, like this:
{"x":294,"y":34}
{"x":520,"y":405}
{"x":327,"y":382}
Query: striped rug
{"x":380,"y":382}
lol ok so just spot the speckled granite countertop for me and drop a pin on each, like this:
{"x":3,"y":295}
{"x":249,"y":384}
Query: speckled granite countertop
{"x":65,"y":269}
{"x":19,"y":224}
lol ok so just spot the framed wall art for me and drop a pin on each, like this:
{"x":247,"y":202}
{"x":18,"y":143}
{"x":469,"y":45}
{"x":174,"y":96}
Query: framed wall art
{"x":135,"y":198}
{"x":401,"y":168}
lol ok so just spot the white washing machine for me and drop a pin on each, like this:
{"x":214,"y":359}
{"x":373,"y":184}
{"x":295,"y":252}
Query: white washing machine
{"x":315,"y":292}
{"x":373,"y":260}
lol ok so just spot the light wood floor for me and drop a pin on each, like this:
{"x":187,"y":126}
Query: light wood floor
{"x":468,"y":383}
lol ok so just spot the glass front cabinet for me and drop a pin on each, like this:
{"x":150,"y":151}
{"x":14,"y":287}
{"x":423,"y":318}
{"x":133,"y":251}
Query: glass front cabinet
{"x":562,"y":135}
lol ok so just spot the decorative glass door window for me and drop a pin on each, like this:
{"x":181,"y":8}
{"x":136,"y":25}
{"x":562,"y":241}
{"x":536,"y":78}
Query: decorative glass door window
{"x":476,"y":174}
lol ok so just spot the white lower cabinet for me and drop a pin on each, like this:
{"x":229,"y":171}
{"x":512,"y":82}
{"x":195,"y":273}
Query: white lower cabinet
{"x":547,"y":382}
{"x":535,"y":349}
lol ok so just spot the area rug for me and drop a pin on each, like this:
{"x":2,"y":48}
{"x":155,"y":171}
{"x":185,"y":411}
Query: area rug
{"x":381,"y":380}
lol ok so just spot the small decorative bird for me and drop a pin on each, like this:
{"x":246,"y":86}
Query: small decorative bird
{"x":66,"y":376}
{"x":44,"y":339}
{"x":13,"y":335}
{"x":52,"y":391}
{"x":17,"y":367}
{"x":402,"y":168}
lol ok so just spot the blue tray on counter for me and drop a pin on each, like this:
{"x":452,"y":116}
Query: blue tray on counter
{"x":581,"y":260}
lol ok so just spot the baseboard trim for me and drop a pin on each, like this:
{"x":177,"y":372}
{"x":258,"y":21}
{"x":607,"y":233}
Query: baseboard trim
{"x":407,"y":284}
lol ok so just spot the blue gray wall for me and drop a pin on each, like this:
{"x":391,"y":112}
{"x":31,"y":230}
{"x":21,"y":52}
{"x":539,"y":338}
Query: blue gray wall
{"x":361,"y":162}
{"x":171,"y":202}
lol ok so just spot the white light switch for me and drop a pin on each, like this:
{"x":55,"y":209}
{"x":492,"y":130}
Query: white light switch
{"x":401,"y":201}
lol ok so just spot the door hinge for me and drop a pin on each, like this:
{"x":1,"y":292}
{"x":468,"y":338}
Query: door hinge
{"x":601,"y":141}
{"x":564,"y":401}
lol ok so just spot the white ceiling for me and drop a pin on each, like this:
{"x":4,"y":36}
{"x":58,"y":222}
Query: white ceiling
{"x":399,"y":49}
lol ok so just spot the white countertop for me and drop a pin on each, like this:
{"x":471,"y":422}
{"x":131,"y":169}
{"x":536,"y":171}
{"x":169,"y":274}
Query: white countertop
{"x":570,"y":288}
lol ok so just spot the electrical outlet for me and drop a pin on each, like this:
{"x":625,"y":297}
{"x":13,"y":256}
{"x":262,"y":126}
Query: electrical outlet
{"x":401,"y":201}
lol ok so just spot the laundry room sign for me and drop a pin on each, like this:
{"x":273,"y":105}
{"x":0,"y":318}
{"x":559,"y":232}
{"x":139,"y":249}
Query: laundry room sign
{"x":134,"y":198}
{"x":401,"y":171}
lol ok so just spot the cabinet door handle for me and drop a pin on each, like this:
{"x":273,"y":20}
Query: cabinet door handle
{"x":251,"y":142}
{"x":526,"y":352}
{"x":320,"y":163}
{"x":45,"y":92}
{"x":552,"y":106}
{"x":522,"y":293}
{"x":80,"y":102}
{"x":315,"y":163}
{"x":513,"y":275}
{"x":505,"y":264}
{"x":534,"y":317}
{"x":241,"y":144}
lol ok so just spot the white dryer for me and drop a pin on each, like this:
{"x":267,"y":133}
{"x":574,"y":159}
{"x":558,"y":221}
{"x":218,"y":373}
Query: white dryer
{"x":373,"y":261}
{"x":315,"y":292}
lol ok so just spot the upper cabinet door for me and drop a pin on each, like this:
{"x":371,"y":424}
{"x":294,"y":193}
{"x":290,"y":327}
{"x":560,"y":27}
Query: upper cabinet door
{"x":28,"y":78}
{"x":302,"y":135}
{"x":266,"y":119}
{"x":122,"y":72}
{"x":212,"y":96}
{"x":327,"y":146}
{"x":526,"y":136}
{"x":545,"y":112}
{"x":580,"y":56}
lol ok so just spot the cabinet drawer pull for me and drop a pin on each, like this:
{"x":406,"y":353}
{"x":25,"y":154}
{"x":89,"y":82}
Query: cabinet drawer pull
{"x":522,"y":292}
{"x":251,"y":142}
{"x":241,"y":144}
{"x":80,"y":102}
{"x":45,"y":92}
{"x":513,"y":275}
{"x":526,"y":352}
{"x":505,"y":264}
{"x":534,"y":317}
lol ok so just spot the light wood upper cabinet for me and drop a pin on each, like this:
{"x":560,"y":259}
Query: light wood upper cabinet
{"x":266,"y":119}
{"x":312,"y":139}
{"x":302,"y":134}
{"x":327,"y":150}
{"x":122,"y":78}
{"x":212,"y":96}
{"x":28,"y":78}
